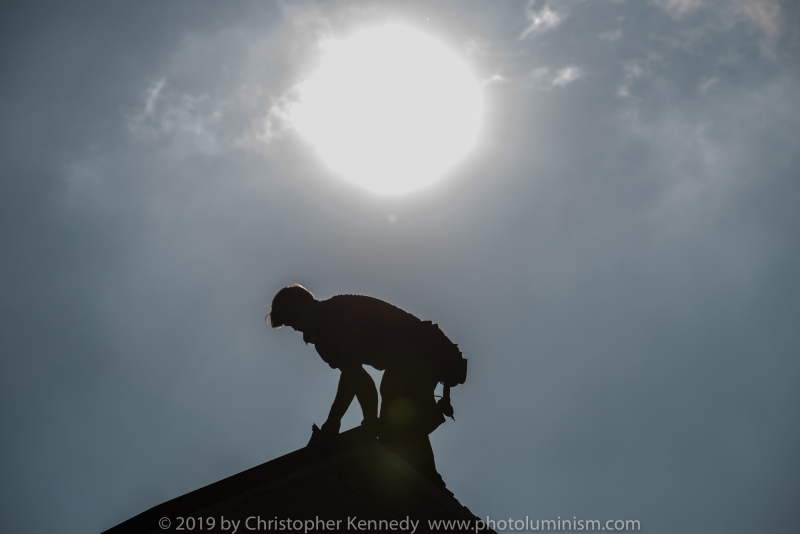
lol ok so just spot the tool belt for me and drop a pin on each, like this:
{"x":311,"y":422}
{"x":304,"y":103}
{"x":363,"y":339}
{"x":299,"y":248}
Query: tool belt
{"x":442,"y":355}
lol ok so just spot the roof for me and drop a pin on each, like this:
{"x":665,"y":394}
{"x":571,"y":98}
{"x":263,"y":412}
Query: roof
{"x":357,"y":479}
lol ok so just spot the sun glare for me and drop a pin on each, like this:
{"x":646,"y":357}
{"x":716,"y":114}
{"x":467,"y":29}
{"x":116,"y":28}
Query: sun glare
{"x":390,"y":109}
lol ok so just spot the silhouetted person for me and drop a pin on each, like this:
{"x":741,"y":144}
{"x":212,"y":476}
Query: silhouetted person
{"x":349,"y":331}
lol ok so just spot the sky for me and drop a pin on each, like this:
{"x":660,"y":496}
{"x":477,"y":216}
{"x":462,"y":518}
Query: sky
{"x":617,"y":257}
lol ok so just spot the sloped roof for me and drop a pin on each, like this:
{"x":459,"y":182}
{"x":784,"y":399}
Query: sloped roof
{"x":356,"y":479}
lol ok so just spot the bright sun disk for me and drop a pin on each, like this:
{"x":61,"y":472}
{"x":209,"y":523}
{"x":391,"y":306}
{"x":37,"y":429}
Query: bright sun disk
{"x":390,"y":109}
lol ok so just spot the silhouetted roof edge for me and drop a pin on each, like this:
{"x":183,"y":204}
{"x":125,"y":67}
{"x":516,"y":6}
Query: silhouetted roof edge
{"x":262,"y":478}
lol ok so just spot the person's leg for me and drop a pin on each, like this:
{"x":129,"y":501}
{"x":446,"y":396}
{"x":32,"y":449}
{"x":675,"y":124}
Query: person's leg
{"x":408,"y":414}
{"x":407,"y":401}
{"x":416,"y":451}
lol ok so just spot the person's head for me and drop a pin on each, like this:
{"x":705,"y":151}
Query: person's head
{"x":290,"y":307}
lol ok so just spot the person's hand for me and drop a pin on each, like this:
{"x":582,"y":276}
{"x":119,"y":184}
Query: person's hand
{"x":325,"y":436}
{"x":446,"y":408}
{"x":331,"y":428}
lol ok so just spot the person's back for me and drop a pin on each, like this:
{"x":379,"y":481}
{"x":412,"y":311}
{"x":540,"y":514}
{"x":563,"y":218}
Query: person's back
{"x":385,"y":331}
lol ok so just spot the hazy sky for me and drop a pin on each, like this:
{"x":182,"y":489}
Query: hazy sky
{"x":618,"y":257}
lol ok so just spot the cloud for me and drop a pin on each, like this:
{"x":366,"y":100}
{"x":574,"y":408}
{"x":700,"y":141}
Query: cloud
{"x":307,"y":31}
{"x":477,"y":46}
{"x":633,"y":70}
{"x":708,"y":84}
{"x":546,"y":78}
{"x":566,"y":76}
{"x":611,"y":36}
{"x":237,"y":107}
{"x":151,"y":96}
{"x":278,"y":121}
{"x":540,"y":19}
{"x":494,"y":78}
{"x":763,"y":14}
{"x":199,"y":123}
{"x":679,"y":8}
{"x":179,"y":114}
{"x":704,"y":152}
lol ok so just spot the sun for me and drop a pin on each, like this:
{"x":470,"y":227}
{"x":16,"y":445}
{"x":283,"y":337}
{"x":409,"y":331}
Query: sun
{"x":390,"y":109}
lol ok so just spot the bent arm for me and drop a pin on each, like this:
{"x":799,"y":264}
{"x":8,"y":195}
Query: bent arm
{"x":354,"y":382}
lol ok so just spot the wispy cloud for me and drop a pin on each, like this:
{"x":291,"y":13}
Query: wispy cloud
{"x":632,"y":71}
{"x":309,"y":29}
{"x":546,"y":78}
{"x":190,"y":123}
{"x":151,"y":96}
{"x":278,"y":121}
{"x":763,"y":14}
{"x":611,"y":36}
{"x":566,"y":76}
{"x":540,"y":18}
{"x":476,"y":46}
{"x":679,"y":8}
{"x":494,"y":78}
{"x":708,"y":84}
{"x":186,"y":116}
